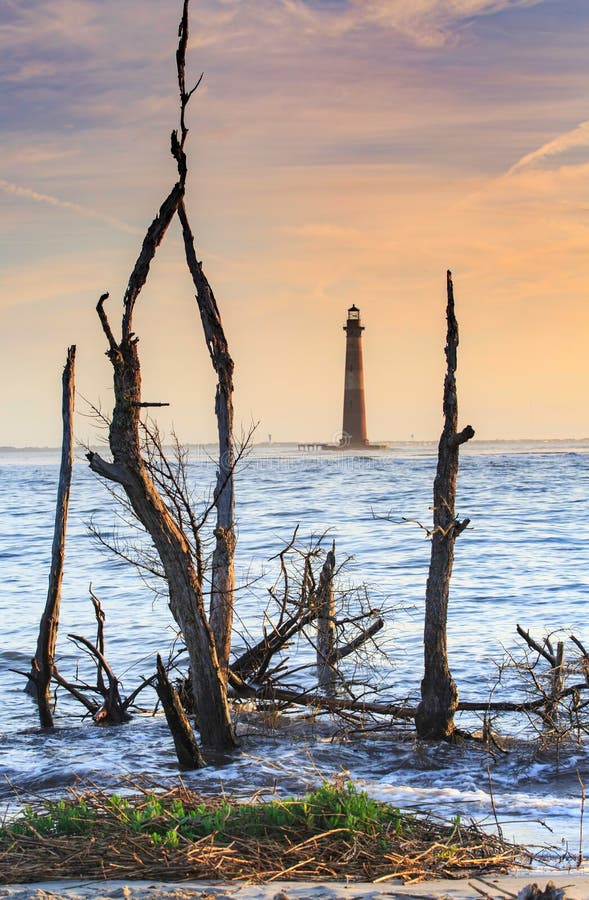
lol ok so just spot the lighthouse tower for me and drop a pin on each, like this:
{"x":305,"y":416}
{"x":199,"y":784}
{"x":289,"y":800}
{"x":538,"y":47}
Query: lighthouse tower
{"x":354,"y":424}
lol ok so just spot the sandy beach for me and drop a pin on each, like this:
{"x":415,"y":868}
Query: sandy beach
{"x":575,"y":886}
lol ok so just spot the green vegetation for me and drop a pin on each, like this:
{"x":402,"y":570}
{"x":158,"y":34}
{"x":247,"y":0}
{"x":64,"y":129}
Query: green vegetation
{"x":336,"y":831}
{"x":165,"y":820}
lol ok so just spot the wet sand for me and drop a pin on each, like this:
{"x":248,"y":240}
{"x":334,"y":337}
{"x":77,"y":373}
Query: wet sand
{"x":508,"y":887}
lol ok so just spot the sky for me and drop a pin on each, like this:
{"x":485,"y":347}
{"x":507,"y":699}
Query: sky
{"x":340,"y":152}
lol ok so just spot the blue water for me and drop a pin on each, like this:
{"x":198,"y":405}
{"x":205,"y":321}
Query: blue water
{"x":522,"y":560}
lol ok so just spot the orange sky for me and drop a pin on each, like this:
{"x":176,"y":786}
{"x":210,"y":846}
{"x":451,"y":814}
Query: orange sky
{"x":340,"y":152}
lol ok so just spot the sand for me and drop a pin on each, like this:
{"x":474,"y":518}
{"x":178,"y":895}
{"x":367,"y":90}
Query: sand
{"x":575,"y":885}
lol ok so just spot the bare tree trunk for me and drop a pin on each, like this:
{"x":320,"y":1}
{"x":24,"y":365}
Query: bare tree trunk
{"x":326,"y":635}
{"x":129,"y":470}
{"x":189,"y":756}
{"x":439,"y":695}
{"x":185,"y":589}
{"x":557,"y":685}
{"x":42,"y":664}
{"x":223,"y":571}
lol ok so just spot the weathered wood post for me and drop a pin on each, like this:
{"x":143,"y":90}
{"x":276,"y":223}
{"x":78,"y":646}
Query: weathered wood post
{"x":42,"y":663}
{"x":434,"y":718}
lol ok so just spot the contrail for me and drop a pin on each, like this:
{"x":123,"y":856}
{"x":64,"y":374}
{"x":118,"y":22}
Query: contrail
{"x":17,"y":190}
{"x":578,"y":137}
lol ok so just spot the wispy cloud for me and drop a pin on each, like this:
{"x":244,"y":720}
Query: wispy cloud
{"x":61,"y":22}
{"x":426,"y":23}
{"x":76,"y":208}
{"x":423,"y":23}
{"x":569,"y":140}
{"x":31,"y":71}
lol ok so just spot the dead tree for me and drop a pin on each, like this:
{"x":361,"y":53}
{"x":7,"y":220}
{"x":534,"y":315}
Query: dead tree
{"x":327,"y":625}
{"x":128,"y":468}
{"x":189,"y":756}
{"x":439,"y":695}
{"x":556,"y":678}
{"x":111,"y":708}
{"x":223,"y":570}
{"x":554,"y":701}
{"x":43,"y":661}
{"x":326,"y":630}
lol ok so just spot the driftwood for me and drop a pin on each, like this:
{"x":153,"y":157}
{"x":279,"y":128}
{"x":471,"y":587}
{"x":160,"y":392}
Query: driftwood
{"x":189,"y":756}
{"x":553,"y":701}
{"x":439,"y":694}
{"x":334,"y":704}
{"x":128,"y":467}
{"x":42,"y":664}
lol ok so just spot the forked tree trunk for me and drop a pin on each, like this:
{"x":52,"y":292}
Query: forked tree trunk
{"x":43,"y":661}
{"x":223,"y":570}
{"x":129,"y":470}
{"x":185,"y":590}
{"x":439,"y":695}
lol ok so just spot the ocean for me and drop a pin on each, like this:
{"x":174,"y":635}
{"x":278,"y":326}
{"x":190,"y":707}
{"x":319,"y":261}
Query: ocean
{"x":523,"y":560}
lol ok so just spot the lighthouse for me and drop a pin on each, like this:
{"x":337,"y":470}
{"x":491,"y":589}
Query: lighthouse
{"x":354,"y":422}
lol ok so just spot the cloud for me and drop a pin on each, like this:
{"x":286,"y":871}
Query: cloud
{"x":86,"y":212}
{"x":61,"y":22}
{"x":30,"y":71}
{"x":427,"y":23}
{"x":577,"y":137}
{"x":423,"y":23}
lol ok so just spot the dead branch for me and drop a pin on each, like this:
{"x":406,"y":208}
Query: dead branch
{"x":549,"y":657}
{"x":173,"y":483}
{"x":365,"y":635}
{"x":113,"y":710}
{"x":144,"y":404}
{"x":523,"y":706}
{"x":100,"y":618}
{"x":43,"y":662}
{"x":256,"y":658}
{"x":333,"y":704}
{"x":76,"y":691}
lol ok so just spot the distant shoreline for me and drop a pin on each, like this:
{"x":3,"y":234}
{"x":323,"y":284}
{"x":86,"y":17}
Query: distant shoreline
{"x":391,"y":445}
